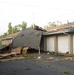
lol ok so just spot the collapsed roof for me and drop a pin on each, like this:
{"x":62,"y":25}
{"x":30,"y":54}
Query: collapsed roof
{"x":27,"y":38}
{"x":2,"y":46}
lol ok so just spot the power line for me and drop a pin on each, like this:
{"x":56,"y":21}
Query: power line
{"x":42,"y":7}
{"x":35,"y":6}
{"x":62,"y":16}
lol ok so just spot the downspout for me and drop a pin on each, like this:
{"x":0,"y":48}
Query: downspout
{"x":65,"y":33}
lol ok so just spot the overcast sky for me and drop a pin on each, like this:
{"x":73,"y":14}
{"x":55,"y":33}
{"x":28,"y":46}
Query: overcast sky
{"x":44,"y":11}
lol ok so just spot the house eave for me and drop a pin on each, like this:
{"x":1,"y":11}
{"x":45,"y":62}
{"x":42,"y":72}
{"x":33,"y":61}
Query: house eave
{"x":9,"y":38}
{"x":65,"y":31}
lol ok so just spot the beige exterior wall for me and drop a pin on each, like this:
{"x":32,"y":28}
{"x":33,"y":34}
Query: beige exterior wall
{"x":70,"y":43}
{"x":56,"y":44}
{"x":63,"y":44}
{"x":73,"y":43}
{"x":6,"y":42}
{"x":50,"y":43}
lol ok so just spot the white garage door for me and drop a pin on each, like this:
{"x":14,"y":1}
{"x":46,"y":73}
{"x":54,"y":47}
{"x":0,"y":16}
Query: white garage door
{"x":62,"y":44}
{"x":50,"y":44}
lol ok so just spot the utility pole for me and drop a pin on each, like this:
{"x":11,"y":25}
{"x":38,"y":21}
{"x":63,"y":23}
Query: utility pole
{"x":33,"y":20}
{"x":39,"y":50}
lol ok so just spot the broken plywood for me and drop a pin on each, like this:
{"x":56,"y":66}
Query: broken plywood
{"x":16,"y":50}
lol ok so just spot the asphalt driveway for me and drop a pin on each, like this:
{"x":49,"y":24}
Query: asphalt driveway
{"x":30,"y":67}
{"x":43,"y":66}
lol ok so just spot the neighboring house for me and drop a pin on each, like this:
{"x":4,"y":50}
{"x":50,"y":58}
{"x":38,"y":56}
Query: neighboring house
{"x":60,"y":39}
{"x":8,"y":39}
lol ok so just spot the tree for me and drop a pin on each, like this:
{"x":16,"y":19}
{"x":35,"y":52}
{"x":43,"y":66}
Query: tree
{"x":23,"y":25}
{"x":16,"y":29}
{"x":33,"y":25}
{"x":1,"y":36}
{"x":51,"y":24}
{"x":10,"y":29}
{"x":5,"y":34}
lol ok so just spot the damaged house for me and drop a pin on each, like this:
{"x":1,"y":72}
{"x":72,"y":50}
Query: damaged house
{"x":9,"y":38}
{"x":6,"y":41}
{"x":30,"y":38}
{"x":58,"y":39}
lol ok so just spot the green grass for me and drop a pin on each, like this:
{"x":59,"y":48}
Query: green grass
{"x":68,"y":73}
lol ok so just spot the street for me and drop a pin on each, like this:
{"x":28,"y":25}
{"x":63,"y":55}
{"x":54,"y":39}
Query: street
{"x":30,"y":67}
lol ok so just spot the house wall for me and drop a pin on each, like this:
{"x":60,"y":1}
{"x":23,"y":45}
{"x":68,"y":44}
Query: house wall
{"x":6,"y":42}
{"x":73,"y":43}
{"x":63,"y":44}
{"x":50,"y":43}
{"x":70,"y":43}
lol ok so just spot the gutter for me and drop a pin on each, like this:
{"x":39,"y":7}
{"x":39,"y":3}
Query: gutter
{"x":65,"y":31}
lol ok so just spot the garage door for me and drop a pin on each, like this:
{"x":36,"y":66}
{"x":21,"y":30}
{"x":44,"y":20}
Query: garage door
{"x":50,"y":44}
{"x":62,"y":44}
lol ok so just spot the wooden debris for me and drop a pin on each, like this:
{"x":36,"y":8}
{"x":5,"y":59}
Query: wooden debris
{"x":24,"y":51}
{"x":50,"y":58}
{"x":16,"y":50}
{"x":5,"y":55}
{"x":14,"y":58}
{"x":68,"y":58}
{"x":39,"y":57}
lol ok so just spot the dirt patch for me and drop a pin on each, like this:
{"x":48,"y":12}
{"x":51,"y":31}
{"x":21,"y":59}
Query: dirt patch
{"x":44,"y":57}
{"x":10,"y":58}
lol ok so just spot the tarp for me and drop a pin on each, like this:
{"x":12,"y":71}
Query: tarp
{"x":27,"y":38}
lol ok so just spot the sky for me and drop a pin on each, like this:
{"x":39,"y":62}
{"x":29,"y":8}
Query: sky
{"x":39,"y":12}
